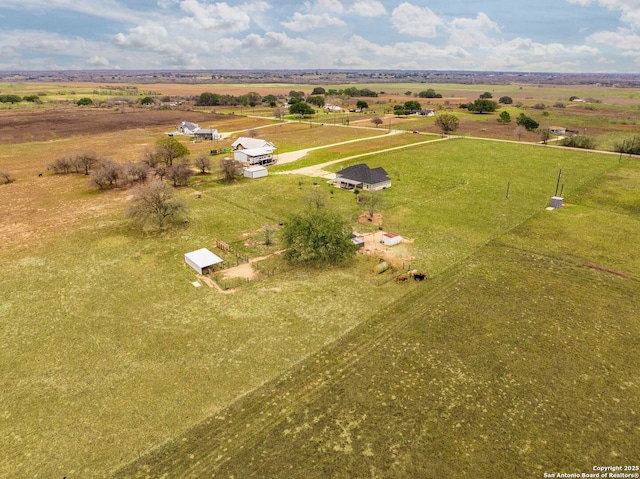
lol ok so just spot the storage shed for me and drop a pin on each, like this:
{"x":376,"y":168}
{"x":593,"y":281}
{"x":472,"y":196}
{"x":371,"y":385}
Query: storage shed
{"x":255,"y":172}
{"x":391,"y":239}
{"x":201,"y":260}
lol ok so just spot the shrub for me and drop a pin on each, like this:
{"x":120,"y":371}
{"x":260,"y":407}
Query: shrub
{"x":580,"y":141}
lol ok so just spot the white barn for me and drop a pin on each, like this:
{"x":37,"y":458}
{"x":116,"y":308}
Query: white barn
{"x":201,"y":260}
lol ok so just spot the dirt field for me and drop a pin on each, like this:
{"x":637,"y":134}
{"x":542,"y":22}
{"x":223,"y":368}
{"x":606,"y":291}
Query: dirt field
{"x":29,"y":125}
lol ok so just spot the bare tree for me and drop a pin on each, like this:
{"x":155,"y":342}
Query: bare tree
{"x":137,"y":172}
{"x":85,"y":161}
{"x":154,"y":205}
{"x":268,"y":231}
{"x":519,"y":131}
{"x":230,"y":168}
{"x":62,"y":165}
{"x":373,"y":201}
{"x":180,"y":173}
{"x":203,"y":163}
{"x":160,"y":171}
{"x":108,"y":174}
{"x":252,"y":133}
{"x":316,"y":199}
{"x":150,"y":158}
{"x":6,"y":177}
{"x":376,"y":120}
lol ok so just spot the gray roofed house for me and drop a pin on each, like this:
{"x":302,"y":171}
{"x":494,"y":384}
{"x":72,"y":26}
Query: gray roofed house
{"x":187,"y":128}
{"x":363,"y":177}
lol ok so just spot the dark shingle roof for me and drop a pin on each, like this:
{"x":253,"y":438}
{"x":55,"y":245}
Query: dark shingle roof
{"x":362,"y":173}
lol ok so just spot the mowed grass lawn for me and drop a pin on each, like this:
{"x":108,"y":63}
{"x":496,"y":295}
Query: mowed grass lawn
{"x":109,"y":350}
{"x":523,"y":360}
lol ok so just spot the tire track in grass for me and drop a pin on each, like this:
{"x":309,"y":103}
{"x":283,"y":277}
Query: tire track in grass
{"x":203,"y":449}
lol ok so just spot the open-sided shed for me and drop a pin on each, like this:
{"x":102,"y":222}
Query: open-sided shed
{"x":201,"y":260}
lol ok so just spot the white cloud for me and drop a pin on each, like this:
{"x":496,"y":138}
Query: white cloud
{"x":96,"y":61}
{"x":415,"y":21}
{"x":303,"y":22}
{"x":623,"y":38}
{"x":109,"y":9}
{"x":468,"y":32}
{"x":368,"y":8}
{"x":630,"y":9}
{"x":219,"y":16}
{"x":152,"y":37}
{"x":333,"y":6}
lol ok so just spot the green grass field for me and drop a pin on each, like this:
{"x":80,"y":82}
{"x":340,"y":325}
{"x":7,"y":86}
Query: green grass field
{"x":519,"y":361}
{"x":520,"y":350}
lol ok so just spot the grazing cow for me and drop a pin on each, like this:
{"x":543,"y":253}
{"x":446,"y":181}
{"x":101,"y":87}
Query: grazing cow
{"x":419,"y":276}
{"x":402,"y":278}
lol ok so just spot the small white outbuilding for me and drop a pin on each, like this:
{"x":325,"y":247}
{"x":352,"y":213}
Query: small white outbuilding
{"x":201,"y":259}
{"x":391,"y":239}
{"x":255,"y":172}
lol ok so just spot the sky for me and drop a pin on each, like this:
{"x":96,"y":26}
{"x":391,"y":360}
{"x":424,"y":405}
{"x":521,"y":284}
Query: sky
{"x":590,"y":36}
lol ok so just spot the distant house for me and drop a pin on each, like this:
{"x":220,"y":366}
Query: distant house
{"x":255,"y":156}
{"x":206,"y":134}
{"x":363,"y":177}
{"x":557,"y":130}
{"x":246,"y":143}
{"x":187,"y":128}
{"x":332,"y":108}
{"x":202,"y":260}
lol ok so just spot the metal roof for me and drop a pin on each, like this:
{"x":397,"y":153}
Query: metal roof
{"x":203,"y":257}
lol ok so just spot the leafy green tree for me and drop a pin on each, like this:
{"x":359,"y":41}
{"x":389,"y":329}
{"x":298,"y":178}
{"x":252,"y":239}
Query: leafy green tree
{"x":486,"y":95}
{"x":85,"y":101}
{"x":317,"y":237}
{"x":208,"y":99}
{"x":302,"y":109}
{"x":270,"y":99}
{"x":429,"y":93}
{"x":399,"y":110}
{"x":361,"y":104}
{"x":529,"y":123}
{"x":147,"y":100}
{"x":412,"y":105}
{"x":155,"y":205}
{"x":317,"y":100}
{"x":169,"y":149}
{"x":447,"y":122}
{"x":505,"y":100}
{"x":482,"y":105}
{"x":504,"y":117}
{"x":31,"y":98}
{"x":318,"y":91}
